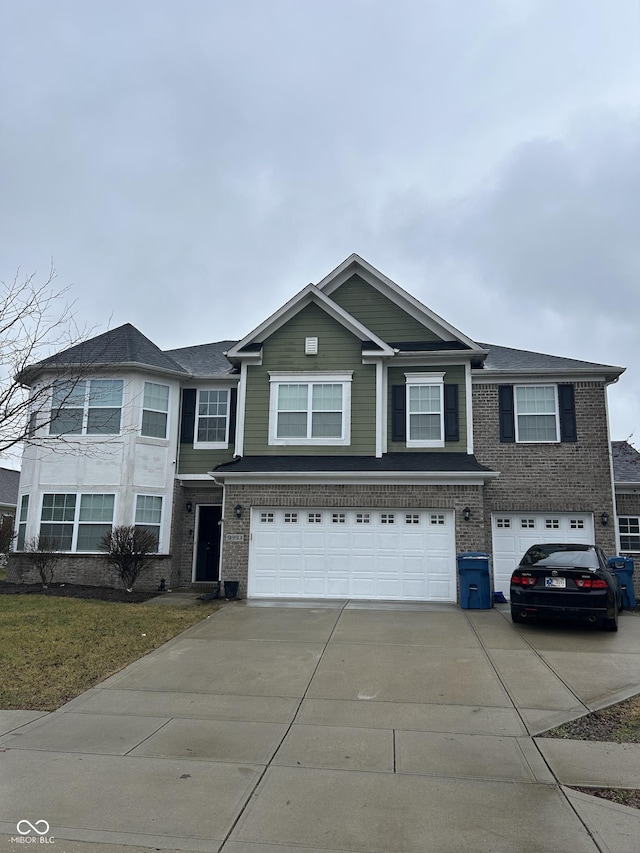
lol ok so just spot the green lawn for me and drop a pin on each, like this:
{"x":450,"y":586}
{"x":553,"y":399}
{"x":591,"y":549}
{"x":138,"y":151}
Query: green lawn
{"x":52,"y":649}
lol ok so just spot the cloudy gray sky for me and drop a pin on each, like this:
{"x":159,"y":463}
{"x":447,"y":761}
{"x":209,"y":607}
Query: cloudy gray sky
{"x":190,"y":165}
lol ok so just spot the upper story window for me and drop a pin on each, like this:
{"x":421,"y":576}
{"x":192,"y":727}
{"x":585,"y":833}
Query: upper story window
{"x":310,"y":409}
{"x":212,"y":417}
{"x":530,"y":414}
{"x":629,"y":532}
{"x":425,"y":409}
{"x":155,"y":409}
{"x":86,"y":407}
{"x":72,"y":522}
{"x":536,"y":413}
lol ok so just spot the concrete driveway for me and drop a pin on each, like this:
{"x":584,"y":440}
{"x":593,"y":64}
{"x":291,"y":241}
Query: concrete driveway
{"x":275,"y":728}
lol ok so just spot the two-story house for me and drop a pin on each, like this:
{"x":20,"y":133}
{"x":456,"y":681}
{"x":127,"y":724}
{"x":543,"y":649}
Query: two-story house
{"x":348,"y":447}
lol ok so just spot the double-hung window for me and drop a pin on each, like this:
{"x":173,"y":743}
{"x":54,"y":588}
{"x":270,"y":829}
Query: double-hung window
{"x":425,"y":409}
{"x":149,"y":515}
{"x":629,"y":526}
{"x":212,"y":417}
{"x":536,"y":413}
{"x":72,"y":522}
{"x":155,"y":408}
{"x":86,"y":407}
{"x":22,"y":522}
{"x":310,"y":409}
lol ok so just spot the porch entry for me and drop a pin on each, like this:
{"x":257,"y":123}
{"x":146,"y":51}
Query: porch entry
{"x":207,"y":544}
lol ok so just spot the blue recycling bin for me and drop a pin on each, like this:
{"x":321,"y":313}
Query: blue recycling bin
{"x":474,"y":580}
{"x":622,"y":568}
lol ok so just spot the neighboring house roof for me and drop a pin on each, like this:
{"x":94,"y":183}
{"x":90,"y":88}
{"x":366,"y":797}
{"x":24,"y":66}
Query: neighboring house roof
{"x":9,"y":481}
{"x":626,"y":462}
{"x":206,"y":360}
{"x":122,"y":346}
{"x":509,"y":360}
{"x":420,"y":463}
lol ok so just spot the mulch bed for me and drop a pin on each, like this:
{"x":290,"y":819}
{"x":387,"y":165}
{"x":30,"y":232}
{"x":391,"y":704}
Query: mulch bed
{"x":101,"y":593}
{"x":622,"y":797}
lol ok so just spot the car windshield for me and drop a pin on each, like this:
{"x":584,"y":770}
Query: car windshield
{"x":553,"y":557}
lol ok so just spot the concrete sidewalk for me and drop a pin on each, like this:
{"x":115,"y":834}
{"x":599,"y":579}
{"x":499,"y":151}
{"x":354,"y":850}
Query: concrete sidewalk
{"x":280,"y":728}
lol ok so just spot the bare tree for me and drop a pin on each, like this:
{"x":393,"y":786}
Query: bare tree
{"x":44,"y":557}
{"x":129,"y":551}
{"x":36,"y":320}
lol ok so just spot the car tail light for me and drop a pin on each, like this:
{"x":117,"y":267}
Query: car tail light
{"x":523,"y":580}
{"x":591,"y":583}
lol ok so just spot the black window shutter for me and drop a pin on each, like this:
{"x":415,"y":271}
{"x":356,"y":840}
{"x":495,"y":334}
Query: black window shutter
{"x":451,"y":420}
{"x":507,"y":418}
{"x":567,"y":407}
{"x":398,"y":413}
{"x":187,"y":424}
{"x":233,"y":403}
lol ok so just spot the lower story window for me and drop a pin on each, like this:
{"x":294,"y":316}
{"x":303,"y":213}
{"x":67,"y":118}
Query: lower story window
{"x":71,"y":522}
{"x":629,"y":532}
{"x":22,"y":522}
{"x":149,"y":515}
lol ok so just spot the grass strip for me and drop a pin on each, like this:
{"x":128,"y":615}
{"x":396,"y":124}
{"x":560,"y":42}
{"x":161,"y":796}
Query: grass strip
{"x":52,"y":649}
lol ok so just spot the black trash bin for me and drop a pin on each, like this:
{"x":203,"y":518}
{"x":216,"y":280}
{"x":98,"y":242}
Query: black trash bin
{"x":622,"y":568}
{"x":474,"y":581}
{"x":231,"y":589}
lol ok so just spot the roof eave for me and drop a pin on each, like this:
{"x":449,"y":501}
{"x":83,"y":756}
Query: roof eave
{"x":331,"y":477}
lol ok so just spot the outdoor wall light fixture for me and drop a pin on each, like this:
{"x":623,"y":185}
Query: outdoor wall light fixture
{"x":189,"y":506}
{"x":604,"y":518}
{"x":238,"y":510}
{"x":466,"y":512}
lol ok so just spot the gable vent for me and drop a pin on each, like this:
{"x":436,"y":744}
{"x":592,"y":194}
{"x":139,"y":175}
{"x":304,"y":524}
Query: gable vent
{"x":311,"y":346}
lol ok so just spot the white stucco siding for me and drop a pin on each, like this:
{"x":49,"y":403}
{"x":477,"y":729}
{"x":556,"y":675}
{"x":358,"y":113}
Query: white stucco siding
{"x":125,"y":465}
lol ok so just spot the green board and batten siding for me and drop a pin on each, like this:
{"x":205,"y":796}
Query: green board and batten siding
{"x":338,"y":350}
{"x":378,"y":313}
{"x":453,"y":375}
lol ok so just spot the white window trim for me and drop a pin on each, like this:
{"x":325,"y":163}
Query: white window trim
{"x":628,"y":550}
{"x":212,"y":445}
{"x":519,"y":440}
{"x":435,"y":379}
{"x":141,"y":524}
{"x":144,"y":409}
{"x":341,"y":377}
{"x":76,"y":517}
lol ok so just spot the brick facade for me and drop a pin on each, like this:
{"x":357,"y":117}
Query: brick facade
{"x":560,"y":477}
{"x":87,"y":570}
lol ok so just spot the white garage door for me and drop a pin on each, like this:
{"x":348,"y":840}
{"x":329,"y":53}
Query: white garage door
{"x":513,"y":533}
{"x":390,"y":554}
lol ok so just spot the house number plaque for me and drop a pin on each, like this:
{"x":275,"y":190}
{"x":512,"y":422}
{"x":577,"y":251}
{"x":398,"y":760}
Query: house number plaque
{"x":234,"y":537}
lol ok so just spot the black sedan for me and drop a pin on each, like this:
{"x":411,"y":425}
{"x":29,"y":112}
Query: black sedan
{"x":565,"y":580}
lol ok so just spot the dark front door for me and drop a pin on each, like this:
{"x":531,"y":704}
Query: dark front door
{"x":208,"y":543}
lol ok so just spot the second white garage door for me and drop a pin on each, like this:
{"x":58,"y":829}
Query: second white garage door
{"x":514,"y":532}
{"x":390,"y":554}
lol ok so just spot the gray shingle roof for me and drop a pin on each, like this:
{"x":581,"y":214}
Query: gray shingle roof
{"x":508,"y":359}
{"x":124,"y":345}
{"x":204,"y":360}
{"x":420,"y":462}
{"x":9,"y":481}
{"x":626,"y":462}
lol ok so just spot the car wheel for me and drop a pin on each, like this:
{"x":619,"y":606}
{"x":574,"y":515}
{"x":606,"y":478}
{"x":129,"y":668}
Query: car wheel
{"x":611,"y":624}
{"x":516,"y":617}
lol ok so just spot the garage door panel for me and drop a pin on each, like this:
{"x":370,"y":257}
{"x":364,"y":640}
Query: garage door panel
{"x":352,"y":553}
{"x":514,"y":533}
